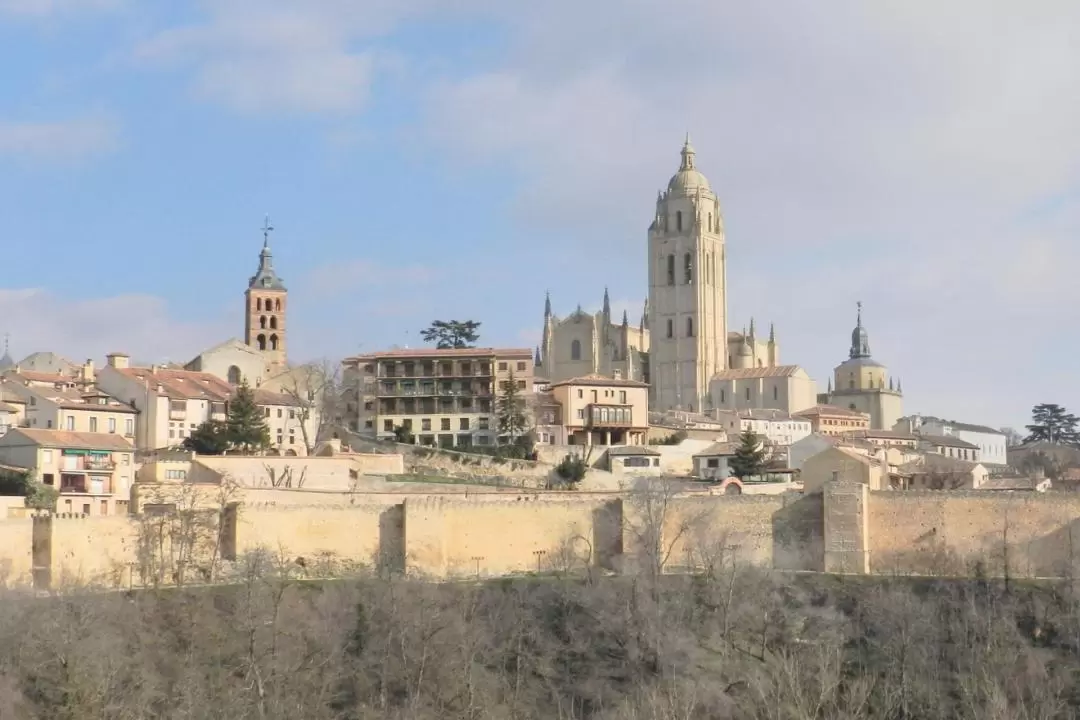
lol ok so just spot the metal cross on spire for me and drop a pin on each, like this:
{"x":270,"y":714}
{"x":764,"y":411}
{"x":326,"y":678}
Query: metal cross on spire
{"x":267,"y":228}
{"x":858,"y":305}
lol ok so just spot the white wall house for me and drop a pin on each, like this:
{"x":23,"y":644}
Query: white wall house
{"x":991,"y":443}
{"x":776,"y":426}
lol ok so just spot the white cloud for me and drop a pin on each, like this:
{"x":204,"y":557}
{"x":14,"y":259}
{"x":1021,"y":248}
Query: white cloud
{"x":277,"y":55}
{"x":48,"y":8}
{"x":903,"y":153}
{"x":139,"y":325}
{"x":62,"y":140}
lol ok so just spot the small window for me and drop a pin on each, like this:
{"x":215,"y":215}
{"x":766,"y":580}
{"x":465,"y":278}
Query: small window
{"x":688,"y":268}
{"x":670,"y":269}
{"x":622,"y":396}
{"x":575,"y":350}
{"x":521,"y":367}
{"x":521,"y":384}
{"x":580,"y":393}
{"x":463,"y":424}
{"x":678,"y":220}
{"x":388,"y":425}
{"x":670,"y":328}
{"x":502,"y":367}
{"x":93,"y":424}
{"x":112,"y":425}
{"x":445,"y":424}
{"x":581,"y":414}
{"x":689,"y":327}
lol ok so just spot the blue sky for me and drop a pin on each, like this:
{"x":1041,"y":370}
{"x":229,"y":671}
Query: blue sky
{"x":420,"y":162}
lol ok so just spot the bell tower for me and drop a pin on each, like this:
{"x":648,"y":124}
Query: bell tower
{"x":265,"y":302}
{"x":687,"y":304}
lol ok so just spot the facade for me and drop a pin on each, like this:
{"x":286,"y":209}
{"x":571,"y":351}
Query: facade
{"x":63,"y":407}
{"x":443,"y":397}
{"x":603,"y":411}
{"x":838,"y":464}
{"x":234,"y":362}
{"x":781,"y":387}
{"x":833,"y":420}
{"x":713,"y":463}
{"x":992,"y":444}
{"x":172,"y":403}
{"x":266,"y":302}
{"x":862,"y":384}
{"x":884,"y":438}
{"x":584,"y":344}
{"x":92,"y":472}
{"x":776,"y":426}
{"x":950,"y":447}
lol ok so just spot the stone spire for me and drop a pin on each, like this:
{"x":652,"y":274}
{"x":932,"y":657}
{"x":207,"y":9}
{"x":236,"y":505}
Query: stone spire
{"x":536,"y":358}
{"x":547,"y":304}
{"x":687,"y":155}
{"x":625,"y":319}
{"x":829,"y":389}
{"x":607,"y":305}
{"x":772,"y":333}
{"x":753,"y":332}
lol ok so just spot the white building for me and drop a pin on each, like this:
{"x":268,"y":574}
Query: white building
{"x":783,"y":387}
{"x":776,"y":426}
{"x":991,"y":443}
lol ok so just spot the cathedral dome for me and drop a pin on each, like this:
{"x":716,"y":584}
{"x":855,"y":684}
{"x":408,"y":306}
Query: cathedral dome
{"x":688,"y":180}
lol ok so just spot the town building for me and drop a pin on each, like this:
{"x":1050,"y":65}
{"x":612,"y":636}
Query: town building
{"x":834,"y":420}
{"x":776,"y":426}
{"x":992,"y":444}
{"x":597,"y":410}
{"x":63,"y":407}
{"x":781,"y":387}
{"x":92,"y":472}
{"x":441,"y":397}
{"x":584,"y":344}
{"x":862,"y":384}
{"x":172,"y":403}
{"x":950,"y":446}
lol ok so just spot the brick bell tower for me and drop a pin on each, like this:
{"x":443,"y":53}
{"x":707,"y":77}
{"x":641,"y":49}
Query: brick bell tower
{"x":266,"y":300}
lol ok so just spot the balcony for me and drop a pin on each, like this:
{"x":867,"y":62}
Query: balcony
{"x":80,"y":485}
{"x":609,"y":416}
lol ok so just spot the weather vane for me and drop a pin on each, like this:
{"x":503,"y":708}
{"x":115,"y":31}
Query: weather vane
{"x":267,"y":228}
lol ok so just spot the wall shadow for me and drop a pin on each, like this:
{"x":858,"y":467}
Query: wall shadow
{"x":798,"y":533}
{"x":392,"y":540}
{"x":607,"y":540}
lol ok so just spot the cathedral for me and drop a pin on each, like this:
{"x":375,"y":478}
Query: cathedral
{"x":682,"y":339}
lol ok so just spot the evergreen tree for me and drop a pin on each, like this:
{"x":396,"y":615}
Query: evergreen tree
{"x":1051,"y":423}
{"x":448,"y":334}
{"x":510,"y":408}
{"x":749,"y":457}
{"x":210,"y":438}
{"x":246,"y":425}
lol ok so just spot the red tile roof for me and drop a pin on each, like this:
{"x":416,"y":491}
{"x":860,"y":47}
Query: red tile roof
{"x":757,"y":372}
{"x":598,"y":380}
{"x":68,"y":439}
{"x":830,"y":410}
{"x":181,"y":384}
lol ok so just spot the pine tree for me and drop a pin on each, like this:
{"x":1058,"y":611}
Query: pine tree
{"x":749,"y":457}
{"x":1051,"y":423}
{"x":246,"y":425}
{"x":210,"y":438}
{"x":510,"y":408}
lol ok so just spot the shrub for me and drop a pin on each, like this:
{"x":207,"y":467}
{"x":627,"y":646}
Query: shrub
{"x":572,"y":469}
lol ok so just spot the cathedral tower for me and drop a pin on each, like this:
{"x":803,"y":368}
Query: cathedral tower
{"x":687,"y":290}
{"x":861,"y":383}
{"x":265,"y":304}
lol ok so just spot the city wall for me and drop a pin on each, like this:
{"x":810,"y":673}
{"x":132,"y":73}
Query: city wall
{"x":845,"y":529}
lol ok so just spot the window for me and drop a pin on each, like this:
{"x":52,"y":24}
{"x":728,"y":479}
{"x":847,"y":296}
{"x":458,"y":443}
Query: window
{"x":580,"y":393}
{"x":713,"y":462}
{"x":388,"y":426}
{"x":711,"y":229}
{"x":581,"y":414}
{"x":722,"y":400}
{"x":445,"y":424}
{"x":369,"y":405}
{"x":112,"y":425}
{"x":502,"y":367}
{"x":670,"y":328}
{"x":575,"y":350}
{"x":521,"y":367}
{"x":129,"y":426}
{"x":70,"y":422}
{"x":521,"y":384}
{"x":266,"y":411}
{"x":463,"y":424}
{"x":46,"y":456}
{"x":689,"y":327}
{"x":425,"y":424}
{"x":747,"y":393}
{"x":622,"y":396}
{"x":483,"y":423}
{"x":292,"y":414}
{"x":369,"y":424}
{"x":688,"y":269}
{"x":93,"y":424}
{"x":670,"y":269}
{"x":775,"y":392}
{"x":636,"y":462}
{"x":279,"y":412}
{"x":678,"y":220}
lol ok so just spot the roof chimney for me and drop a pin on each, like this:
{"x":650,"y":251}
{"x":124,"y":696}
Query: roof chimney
{"x":119,"y":361}
{"x":88,"y":372}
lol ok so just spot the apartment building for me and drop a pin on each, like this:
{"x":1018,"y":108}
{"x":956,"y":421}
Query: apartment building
{"x":64,"y":407}
{"x":92,"y":472}
{"x":776,"y":426}
{"x":834,"y":420}
{"x":443,"y":397}
{"x":171,"y":403}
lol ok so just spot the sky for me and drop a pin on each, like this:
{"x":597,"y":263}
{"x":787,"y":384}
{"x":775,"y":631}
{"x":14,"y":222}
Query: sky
{"x":425,"y":160}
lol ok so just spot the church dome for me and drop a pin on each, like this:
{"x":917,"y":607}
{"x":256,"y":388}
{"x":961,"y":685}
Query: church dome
{"x":688,"y":180}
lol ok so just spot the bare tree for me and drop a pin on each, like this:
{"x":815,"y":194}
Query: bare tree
{"x":318,"y":393}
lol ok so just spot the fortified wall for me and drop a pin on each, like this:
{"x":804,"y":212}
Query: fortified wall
{"x":845,"y":529}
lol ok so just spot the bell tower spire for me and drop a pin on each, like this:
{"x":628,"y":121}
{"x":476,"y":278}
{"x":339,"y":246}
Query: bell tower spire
{"x":265,"y":305}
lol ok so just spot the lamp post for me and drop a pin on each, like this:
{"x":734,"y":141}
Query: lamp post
{"x":539,"y":554}
{"x":476,"y":559}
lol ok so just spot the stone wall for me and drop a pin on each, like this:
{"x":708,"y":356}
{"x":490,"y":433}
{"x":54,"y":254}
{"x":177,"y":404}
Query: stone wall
{"x":845,"y":529}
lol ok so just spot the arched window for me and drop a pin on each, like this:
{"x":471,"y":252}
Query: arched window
{"x":575,"y":350}
{"x":747,"y":393}
{"x":689,"y":327}
{"x":262,"y":322}
{"x":688,"y":270}
{"x":671,"y":269}
{"x":277,"y":305}
{"x":670,"y":328}
{"x":234,"y":375}
{"x":273,"y":342}
{"x":273,"y":323}
{"x":722,"y":400}
{"x":710,"y":223}
{"x":775,"y":392}
{"x":258,"y":304}
{"x":262,"y":342}
{"x":678,"y":221}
